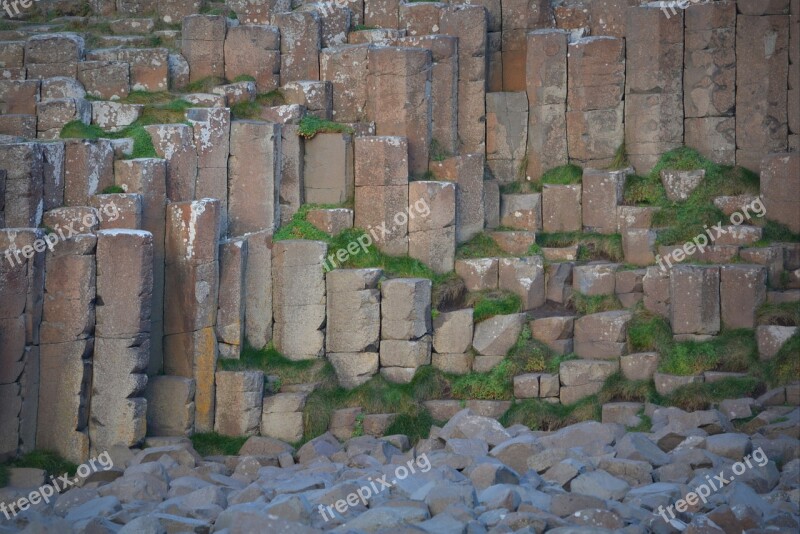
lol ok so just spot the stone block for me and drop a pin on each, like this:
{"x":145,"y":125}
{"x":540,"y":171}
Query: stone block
{"x":434,"y":248}
{"x":301,"y":40}
{"x":353,"y":311}
{"x":561,"y":208}
{"x":602,"y":193}
{"x":328,"y":168}
{"x":317,"y":97}
{"x":762,"y":76}
{"x":743,"y":288}
{"x":286,"y":427}
{"x":680,"y":184}
{"x":559,"y":281}
{"x":19,"y":96}
{"x":405,"y":354}
{"x":254,"y":176}
{"x":478,"y":274}
{"x":506,"y":134}
{"x":452,"y":332}
{"x":239,"y":402}
{"x":194,"y":355}
{"x":18,"y":125}
{"x":595,"y":278}
{"x":52,"y":115}
{"x":639,"y":366}
{"x":548,"y":329}
{"x":405,"y":308}
{"x":61,"y":87}
{"x":23,"y":185}
{"x":467,"y":173}
{"x":780,"y":184}
{"x":343,"y":67}
{"x":54,"y":48}
{"x":202,"y":44}
{"x":521,"y":211}
{"x":252,"y":12}
{"x":113,"y":116}
{"x":377,"y":209}
{"x":496,"y":335}
{"x":666,"y":384}
{"x":653,"y":125}
{"x":713,"y":137}
{"x":582,"y":372}
{"x":298,"y":282}
{"x":456,"y":364}
{"x":175,"y":143}
{"x":382,"y":13}
{"x":694,"y":295}
{"x":236,"y":93}
{"x":656,"y":284}
{"x":335,"y":21}
{"x":438,"y":202}
{"x":638,"y":245}
{"x":149,"y":67}
{"x":398,"y":99}
{"x":230,"y":325}
{"x":258,"y":289}
{"x":491,"y":203}
{"x":331,"y":221}
{"x":170,"y":405}
{"x":253,"y":50}
{"x":771,"y":338}
{"x":602,"y":335}
{"x":524,"y":277}
{"x":353,"y":369}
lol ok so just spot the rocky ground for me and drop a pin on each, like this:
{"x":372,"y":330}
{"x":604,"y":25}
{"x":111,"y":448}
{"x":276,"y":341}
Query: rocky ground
{"x":470,"y":476}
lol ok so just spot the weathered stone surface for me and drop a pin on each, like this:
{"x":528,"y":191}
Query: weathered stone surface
{"x":353,"y":369}
{"x":405,"y":308}
{"x":149,"y":68}
{"x":331,"y":221}
{"x":254,"y":50}
{"x":639,"y":366}
{"x":254,"y":176}
{"x":666,"y":384}
{"x":602,"y":193}
{"x":478,"y":274}
{"x":680,"y":184}
{"x":457,"y":364}
{"x":298,"y":282}
{"x":398,"y":101}
{"x":238,"y":402}
{"x":202,"y":44}
{"x":506,"y":134}
{"x":353,"y":311}
{"x":524,"y":277}
{"x":230,"y":326}
{"x":379,"y":207}
{"x":582,"y":372}
{"x":561,"y":208}
{"x":105,"y":79}
{"x":694,"y":294}
{"x":596,"y":278}
{"x":301,"y":40}
{"x":452,"y":331}
{"x":602,"y":335}
{"x":779,"y":186}
{"x":170,"y":405}
{"x":516,"y":243}
{"x":328,"y":168}
{"x":743,"y":288}
{"x":23,"y":201}
{"x":342,"y":66}
{"x":405,"y":354}
{"x":521,"y":211}
{"x":496,"y":335}
{"x":770,"y":339}
{"x":175,"y":143}
{"x":211,"y":129}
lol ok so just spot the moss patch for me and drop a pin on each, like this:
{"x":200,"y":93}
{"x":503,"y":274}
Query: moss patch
{"x":589,"y":304}
{"x":48,"y":461}
{"x":563,"y":175}
{"x":785,"y":366}
{"x":272,"y":362}
{"x":142,"y":143}
{"x":700,"y":396}
{"x":540,"y":415}
{"x":487,"y":304}
{"x":311,"y":126}
{"x":213,"y":444}
{"x":480,"y":246}
{"x":780,"y":314}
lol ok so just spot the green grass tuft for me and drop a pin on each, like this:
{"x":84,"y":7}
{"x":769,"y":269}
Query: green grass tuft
{"x":620,"y":160}
{"x":48,"y":461}
{"x":142,"y":142}
{"x":204,"y":85}
{"x":497,"y":384}
{"x":246,"y":110}
{"x":244,"y":78}
{"x":540,"y":415}
{"x":700,"y":396}
{"x":784,"y":367}
{"x":438,"y":152}
{"x":780,"y":314}
{"x":563,"y":175}
{"x":272,"y":98}
{"x":112,"y":190}
{"x":591,"y":247}
{"x":213,"y":444}
{"x":311,"y":126}
{"x":617,"y":389}
{"x":588,"y":304}
{"x":480,"y":246}
{"x":733,"y":350}
{"x":272,"y":362}
{"x":487,"y":304}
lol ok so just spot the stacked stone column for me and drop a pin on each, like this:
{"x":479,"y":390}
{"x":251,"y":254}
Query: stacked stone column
{"x":21,"y":299}
{"x":467,"y":173}
{"x":762,"y":56}
{"x":506,"y":135}
{"x":709,"y":80}
{"x":23,"y":189}
{"x":653,"y":85}
{"x":405,"y":327}
{"x":175,"y":143}
{"x":596,"y":84}
{"x":190,"y":304}
{"x":122,"y":344}
{"x":301,"y":40}
{"x":67,"y":344}
{"x":381,"y":191}
{"x":231,"y":305}
{"x":354,"y":323}
{"x":254,"y":50}
{"x":546,"y":86}
{"x":298,"y":282}
{"x":203,"y":39}
{"x":432,"y":224}
{"x":399,"y":99}
{"x":212,"y":127}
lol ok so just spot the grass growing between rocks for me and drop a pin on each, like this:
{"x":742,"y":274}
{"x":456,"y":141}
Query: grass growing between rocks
{"x":486,"y":304}
{"x":142,"y":142}
{"x":540,"y":415}
{"x":564,"y":175}
{"x":733,"y":350}
{"x":480,"y":246}
{"x":780,"y":314}
{"x":682,"y":221}
{"x":379,"y":396}
{"x":700,"y":396}
{"x":213,"y":444}
{"x":311,"y":126}
{"x":48,"y":461}
{"x":588,"y":304}
{"x":784,"y":367}
{"x":272,"y":362}
{"x":591,"y":246}
{"x":618,"y":389}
